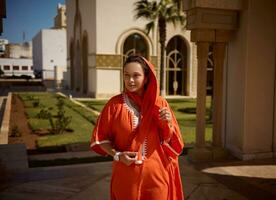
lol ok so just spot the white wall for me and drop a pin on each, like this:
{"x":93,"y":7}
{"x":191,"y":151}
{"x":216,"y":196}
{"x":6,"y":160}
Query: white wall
{"x":37,"y":51}
{"x":53,"y":51}
{"x":54,"y":48}
{"x":237,"y":51}
{"x":108,"y":82}
{"x":251,"y":82}
{"x":118,"y":18}
{"x":23,"y":50}
{"x":88,"y":15}
{"x":50,"y":50}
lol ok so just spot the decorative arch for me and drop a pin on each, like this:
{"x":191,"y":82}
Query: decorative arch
{"x":77,"y":66}
{"x":126,"y":34}
{"x":177,"y":75}
{"x":135,"y":44}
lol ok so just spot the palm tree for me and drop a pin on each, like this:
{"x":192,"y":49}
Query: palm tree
{"x":160,"y":12}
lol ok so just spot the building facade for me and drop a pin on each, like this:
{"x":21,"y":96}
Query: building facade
{"x":3,"y":43}
{"x":243,"y":37}
{"x":250,"y":85}
{"x":22,"y":50}
{"x":49,"y":52}
{"x":100,"y":35}
{"x":16,"y":60}
{"x":17,"y":67}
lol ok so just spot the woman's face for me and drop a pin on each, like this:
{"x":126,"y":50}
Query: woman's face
{"x":134,"y":78}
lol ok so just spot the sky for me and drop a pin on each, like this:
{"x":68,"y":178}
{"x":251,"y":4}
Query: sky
{"x":29,"y":17}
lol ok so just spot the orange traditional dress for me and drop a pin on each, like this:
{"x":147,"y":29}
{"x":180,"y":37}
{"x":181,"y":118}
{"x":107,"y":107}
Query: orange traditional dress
{"x":156,"y":174}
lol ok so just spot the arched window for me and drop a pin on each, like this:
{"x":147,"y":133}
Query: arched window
{"x":176,"y":67}
{"x":135,"y":44}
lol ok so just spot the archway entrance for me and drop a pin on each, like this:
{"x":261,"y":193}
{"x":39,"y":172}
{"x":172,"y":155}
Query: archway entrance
{"x":176,"y":62}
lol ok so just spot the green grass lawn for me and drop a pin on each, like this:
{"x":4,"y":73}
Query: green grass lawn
{"x":185,"y":112}
{"x":95,"y":104}
{"x":83,"y":120}
{"x":81,"y":123}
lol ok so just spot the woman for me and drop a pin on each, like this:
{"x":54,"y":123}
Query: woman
{"x":138,"y":129}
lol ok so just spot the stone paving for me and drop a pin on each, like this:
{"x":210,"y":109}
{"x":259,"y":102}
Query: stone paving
{"x":91,"y":181}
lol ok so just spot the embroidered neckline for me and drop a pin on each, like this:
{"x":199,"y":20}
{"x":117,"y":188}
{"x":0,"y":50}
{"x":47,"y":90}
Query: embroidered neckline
{"x":136,"y":121}
{"x":135,"y":113}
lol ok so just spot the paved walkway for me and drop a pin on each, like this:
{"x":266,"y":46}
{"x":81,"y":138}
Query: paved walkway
{"x":235,"y":180}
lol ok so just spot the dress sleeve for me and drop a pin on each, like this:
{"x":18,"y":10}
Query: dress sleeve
{"x":102,"y":131}
{"x":171,"y":139}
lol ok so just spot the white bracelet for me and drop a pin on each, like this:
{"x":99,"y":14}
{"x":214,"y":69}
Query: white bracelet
{"x":116,"y":157}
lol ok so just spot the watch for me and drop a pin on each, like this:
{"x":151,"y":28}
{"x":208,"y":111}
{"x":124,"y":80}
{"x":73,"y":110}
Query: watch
{"x":116,"y":156}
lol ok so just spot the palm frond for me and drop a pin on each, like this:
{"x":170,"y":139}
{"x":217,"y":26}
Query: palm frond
{"x":143,"y":9}
{"x":149,"y":26}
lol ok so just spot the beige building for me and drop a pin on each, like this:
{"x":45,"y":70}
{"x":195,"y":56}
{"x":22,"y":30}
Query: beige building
{"x":50,"y":51}
{"x":243,"y":36}
{"x":60,"y":18}
{"x":101,"y":34}
{"x":23,"y":50}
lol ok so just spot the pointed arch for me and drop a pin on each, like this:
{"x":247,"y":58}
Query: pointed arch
{"x":72,"y":71}
{"x":77,"y":70}
{"x":135,"y":44}
{"x":77,"y":63}
{"x":122,"y":38}
{"x":85,"y":62}
{"x":177,"y":66}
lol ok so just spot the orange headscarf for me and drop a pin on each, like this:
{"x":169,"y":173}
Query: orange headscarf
{"x":147,"y":104}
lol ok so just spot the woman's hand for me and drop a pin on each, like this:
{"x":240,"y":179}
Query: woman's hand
{"x":166,"y":123}
{"x":165,"y":115}
{"x":128,"y":157}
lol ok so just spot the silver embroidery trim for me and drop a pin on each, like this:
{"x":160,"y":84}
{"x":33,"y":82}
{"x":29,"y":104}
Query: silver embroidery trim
{"x":136,"y":122}
{"x":145,"y":148}
{"x":132,"y":110}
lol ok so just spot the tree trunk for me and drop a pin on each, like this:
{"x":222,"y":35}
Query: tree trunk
{"x":162,"y":40}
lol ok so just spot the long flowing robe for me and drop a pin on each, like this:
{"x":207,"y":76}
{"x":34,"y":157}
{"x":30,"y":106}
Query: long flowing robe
{"x":156,"y":176}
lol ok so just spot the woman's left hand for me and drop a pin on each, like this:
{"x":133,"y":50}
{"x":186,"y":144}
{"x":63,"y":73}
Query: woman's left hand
{"x":165,"y":114}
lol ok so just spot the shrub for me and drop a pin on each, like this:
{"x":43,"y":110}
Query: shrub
{"x":61,"y":123}
{"x":15,"y":132}
{"x":36,"y":103}
{"x":44,"y":114}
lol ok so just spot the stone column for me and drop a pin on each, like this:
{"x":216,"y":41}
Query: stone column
{"x":199,"y":152}
{"x":219,"y":54}
{"x":210,"y":22}
{"x":202,"y":56}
